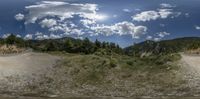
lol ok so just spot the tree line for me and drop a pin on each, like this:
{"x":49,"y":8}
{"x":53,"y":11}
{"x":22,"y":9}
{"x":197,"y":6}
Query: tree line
{"x":66,"y":44}
{"x":86,"y":46}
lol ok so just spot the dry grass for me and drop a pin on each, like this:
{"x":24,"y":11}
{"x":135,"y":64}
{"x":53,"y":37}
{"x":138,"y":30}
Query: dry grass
{"x":10,"y":49}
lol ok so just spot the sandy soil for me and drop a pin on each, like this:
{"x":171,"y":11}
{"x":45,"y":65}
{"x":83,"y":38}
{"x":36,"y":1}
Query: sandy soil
{"x":191,"y":72}
{"x":26,"y":74}
{"x":26,"y":64}
{"x":193,"y":62}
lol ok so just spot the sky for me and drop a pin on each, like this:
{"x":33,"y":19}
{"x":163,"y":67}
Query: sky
{"x":124,"y":22}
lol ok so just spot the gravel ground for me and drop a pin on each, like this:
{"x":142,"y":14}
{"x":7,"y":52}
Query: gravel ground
{"x":191,"y":73}
{"x":26,"y":74}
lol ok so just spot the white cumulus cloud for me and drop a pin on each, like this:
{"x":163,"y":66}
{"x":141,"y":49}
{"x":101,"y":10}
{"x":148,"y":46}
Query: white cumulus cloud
{"x":28,"y":36}
{"x":146,"y":16}
{"x":121,"y":28}
{"x":155,"y":14}
{"x":48,"y":23}
{"x":163,"y":34}
{"x":197,"y":27}
{"x":19,"y":17}
{"x":60,"y":9}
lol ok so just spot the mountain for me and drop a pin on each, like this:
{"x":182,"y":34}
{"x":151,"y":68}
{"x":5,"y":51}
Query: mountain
{"x":164,"y":47}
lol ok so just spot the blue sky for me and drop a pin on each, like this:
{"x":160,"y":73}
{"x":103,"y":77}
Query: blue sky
{"x":121,"y":21}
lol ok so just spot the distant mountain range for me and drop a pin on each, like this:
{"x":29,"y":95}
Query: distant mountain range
{"x":165,"y":46}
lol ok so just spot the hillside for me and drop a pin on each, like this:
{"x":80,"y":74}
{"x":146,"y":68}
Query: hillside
{"x":164,"y":47}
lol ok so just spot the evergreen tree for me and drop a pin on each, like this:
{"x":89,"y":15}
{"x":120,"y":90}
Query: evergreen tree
{"x":68,"y":45}
{"x":98,"y":44}
{"x":87,"y":46}
{"x":11,"y":39}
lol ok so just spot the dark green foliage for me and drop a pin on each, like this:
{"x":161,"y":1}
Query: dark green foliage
{"x":13,"y":40}
{"x":98,"y":44}
{"x":85,"y":46}
{"x":67,"y":44}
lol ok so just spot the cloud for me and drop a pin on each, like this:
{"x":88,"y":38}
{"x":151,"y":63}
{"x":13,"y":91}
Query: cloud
{"x":162,"y":13}
{"x":87,"y":22}
{"x":160,"y":36}
{"x":48,"y":23}
{"x":153,"y":15}
{"x":187,"y":15}
{"x":62,"y":10}
{"x":28,"y":36}
{"x":126,"y":10}
{"x":121,"y":28}
{"x":73,"y":19}
{"x":149,"y":37}
{"x":157,"y":39}
{"x":53,"y":36}
{"x":58,"y":16}
{"x":19,"y":17}
{"x":165,"y":5}
{"x":43,"y":36}
{"x":18,"y":36}
{"x":163,"y":34}
{"x":146,"y":16}
{"x":6,"y":35}
{"x":197,"y":27}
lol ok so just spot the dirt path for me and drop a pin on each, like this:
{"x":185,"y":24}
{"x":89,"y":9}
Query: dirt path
{"x":26,"y":64}
{"x":193,"y":62}
{"x":26,"y":74}
{"x":191,"y":73}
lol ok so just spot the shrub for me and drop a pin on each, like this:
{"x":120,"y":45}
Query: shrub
{"x":129,"y":62}
{"x":113,"y":63}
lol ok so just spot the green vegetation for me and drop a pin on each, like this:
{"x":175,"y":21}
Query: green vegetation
{"x":97,"y":68}
{"x":67,"y":44}
{"x":164,"y":47}
{"x":120,"y":74}
{"x":13,"y":40}
{"x":85,"y":46}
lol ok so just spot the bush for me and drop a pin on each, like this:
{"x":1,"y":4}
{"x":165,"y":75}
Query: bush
{"x":129,"y":62}
{"x":113,"y":63}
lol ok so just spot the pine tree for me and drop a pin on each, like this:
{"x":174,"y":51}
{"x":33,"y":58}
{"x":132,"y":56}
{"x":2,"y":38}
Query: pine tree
{"x":68,"y":45}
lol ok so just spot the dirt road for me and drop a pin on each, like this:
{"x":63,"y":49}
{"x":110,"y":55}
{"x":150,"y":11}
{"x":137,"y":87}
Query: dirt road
{"x":26,"y":64}
{"x":26,"y":74}
{"x":191,"y":73}
{"x":193,"y":62}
